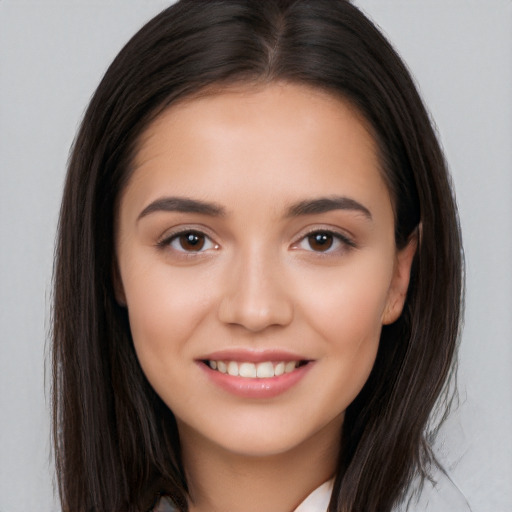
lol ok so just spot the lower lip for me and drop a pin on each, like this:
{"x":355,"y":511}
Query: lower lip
{"x":254,"y":387}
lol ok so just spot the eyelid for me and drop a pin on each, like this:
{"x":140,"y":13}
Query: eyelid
{"x":341,"y":236}
{"x":165,"y":240}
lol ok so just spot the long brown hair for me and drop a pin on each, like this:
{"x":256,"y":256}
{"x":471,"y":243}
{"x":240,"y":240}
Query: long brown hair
{"x":116,"y":443}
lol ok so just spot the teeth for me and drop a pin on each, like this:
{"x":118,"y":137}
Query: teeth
{"x":233,"y":368}
{"x":289,"y":367}
{"x":247,"y":370}
{"x":279,"y":369}
{"x":265,"y":370}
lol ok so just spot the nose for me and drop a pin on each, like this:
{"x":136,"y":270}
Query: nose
{"x":256,"y":296}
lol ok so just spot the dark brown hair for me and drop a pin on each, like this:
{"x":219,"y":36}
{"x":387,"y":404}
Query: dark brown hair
{"x":116,"y":443}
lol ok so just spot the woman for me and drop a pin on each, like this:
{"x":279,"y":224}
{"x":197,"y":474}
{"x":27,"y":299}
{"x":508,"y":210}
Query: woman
{"x":258,"y":278}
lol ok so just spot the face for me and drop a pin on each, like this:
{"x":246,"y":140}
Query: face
{"x":256,"y":255}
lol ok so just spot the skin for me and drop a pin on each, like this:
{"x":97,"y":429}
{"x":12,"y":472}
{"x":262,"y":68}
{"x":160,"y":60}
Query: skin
{"x":259,"y":281}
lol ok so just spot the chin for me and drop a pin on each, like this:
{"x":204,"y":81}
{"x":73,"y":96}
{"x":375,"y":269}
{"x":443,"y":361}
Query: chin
{"x":262,"y":437}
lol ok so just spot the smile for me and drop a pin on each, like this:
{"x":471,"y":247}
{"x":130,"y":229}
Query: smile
{"x":263,"y":370}
{"x":255,"y":379}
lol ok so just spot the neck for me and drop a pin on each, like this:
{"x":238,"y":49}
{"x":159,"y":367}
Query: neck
{"x":220,"y":480}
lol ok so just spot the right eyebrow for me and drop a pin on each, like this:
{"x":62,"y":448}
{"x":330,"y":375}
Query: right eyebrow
{"x":327,"y":204}
{"x":183,"y":205}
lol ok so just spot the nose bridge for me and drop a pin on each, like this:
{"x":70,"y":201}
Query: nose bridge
{"x":256,"y":296}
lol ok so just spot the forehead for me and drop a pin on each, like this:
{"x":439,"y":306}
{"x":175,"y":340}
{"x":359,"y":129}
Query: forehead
{"x":297,"y":108}
{"x":281,"y":139}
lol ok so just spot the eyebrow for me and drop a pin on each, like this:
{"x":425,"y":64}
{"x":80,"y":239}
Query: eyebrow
{"x":306,"y":207}
{"x":327,"y":204}
{"x":183,"y":205}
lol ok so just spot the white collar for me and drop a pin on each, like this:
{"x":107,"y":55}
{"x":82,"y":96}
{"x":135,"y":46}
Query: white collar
{"x":318,"y":500}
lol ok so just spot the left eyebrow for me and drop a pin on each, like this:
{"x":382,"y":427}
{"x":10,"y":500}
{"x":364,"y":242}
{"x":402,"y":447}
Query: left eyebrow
{"x":327,"y":204}
{"x":183,"y":205}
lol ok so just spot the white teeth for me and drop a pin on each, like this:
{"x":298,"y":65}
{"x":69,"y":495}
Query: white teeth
{"x":247,"y":370}
{"x":279,"y":369}
{"x":265,"y":370}
{"x":233,"y":368}
{"x":289,"y":367}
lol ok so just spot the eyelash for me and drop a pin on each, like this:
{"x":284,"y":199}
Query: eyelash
{"x":174,"y":237}
{"x":340,"y":239}
{"x":337,"y":239}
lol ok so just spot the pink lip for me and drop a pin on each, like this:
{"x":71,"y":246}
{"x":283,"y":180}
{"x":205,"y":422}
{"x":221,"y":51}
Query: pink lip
{"x":252,"y":356}
{"x":255,"y":388}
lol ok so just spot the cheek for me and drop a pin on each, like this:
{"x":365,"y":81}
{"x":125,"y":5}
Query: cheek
{"x":346,"y":317}
{"x":164,"y":308}
{"x":345,"y":308}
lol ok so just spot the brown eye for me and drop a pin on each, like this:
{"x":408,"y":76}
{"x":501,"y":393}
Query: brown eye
{"x":325,"y":241}
{"x":189,"y":242}
{"x":320,"y":241}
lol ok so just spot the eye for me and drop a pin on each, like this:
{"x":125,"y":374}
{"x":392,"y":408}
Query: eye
{"x":189,"y":242}
{"x":324,"y":241}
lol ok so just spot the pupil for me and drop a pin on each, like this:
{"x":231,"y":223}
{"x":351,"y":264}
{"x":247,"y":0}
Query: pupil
{"x":192,"y":241}
{"x":320,"y":241}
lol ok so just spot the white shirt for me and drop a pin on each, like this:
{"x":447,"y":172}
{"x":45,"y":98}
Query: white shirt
{"x":317,"y":501}
{"x":444,"y":496}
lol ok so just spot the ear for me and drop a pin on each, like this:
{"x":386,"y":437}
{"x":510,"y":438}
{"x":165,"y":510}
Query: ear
{"x":400,"y":282}
{"x":117,"y":284}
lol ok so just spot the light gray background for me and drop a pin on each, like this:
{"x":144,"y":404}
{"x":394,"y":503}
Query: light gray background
{"x":52,"y":55}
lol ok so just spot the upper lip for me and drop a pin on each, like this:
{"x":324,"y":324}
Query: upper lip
{"x":252,"y":356}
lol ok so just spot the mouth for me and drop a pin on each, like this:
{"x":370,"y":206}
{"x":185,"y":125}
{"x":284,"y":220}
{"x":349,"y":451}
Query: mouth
{"x":253,"y":374}
{"x":250,"y":370}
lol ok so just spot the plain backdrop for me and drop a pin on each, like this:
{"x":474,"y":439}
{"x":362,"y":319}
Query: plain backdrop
{"x":52,"y":56}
